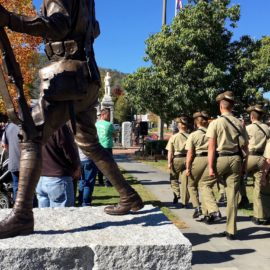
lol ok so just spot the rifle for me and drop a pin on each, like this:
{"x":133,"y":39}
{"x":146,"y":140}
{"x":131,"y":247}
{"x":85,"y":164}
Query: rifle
{"x":12,"y":69}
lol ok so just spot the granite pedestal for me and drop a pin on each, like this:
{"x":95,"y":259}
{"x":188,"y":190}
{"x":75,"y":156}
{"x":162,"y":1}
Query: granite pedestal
{"x":86,"y":238}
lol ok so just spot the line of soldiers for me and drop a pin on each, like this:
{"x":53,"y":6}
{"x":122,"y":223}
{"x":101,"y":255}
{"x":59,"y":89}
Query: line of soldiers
{"x":222,"y":152}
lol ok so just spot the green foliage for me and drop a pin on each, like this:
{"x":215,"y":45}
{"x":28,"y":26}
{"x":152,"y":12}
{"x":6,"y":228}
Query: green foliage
{"x":155,"y":147}
{"x":193,"y":59}
{"x":261,"y":62}
{"x":123,"y":110}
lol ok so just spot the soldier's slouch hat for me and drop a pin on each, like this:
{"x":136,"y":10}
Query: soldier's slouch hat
{"x":201,"y":114}
{"x":257,"y":108}
{"x":228,"y":96}
{"x":182,"y":119}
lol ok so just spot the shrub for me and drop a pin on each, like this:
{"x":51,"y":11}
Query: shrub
{"x":156,"y":147}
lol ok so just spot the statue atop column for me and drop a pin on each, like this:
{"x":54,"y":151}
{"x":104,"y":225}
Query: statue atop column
{"x":107,"y":82}
{"x":107,"y":101}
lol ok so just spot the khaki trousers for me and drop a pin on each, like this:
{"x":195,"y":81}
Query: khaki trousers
{"x":221,"y":188}
{"x":199,"y":166}
{"x":209,"y":204}
{"x":229,"y":168}
{"x":261,"y":194}
{"x":177,"y":176}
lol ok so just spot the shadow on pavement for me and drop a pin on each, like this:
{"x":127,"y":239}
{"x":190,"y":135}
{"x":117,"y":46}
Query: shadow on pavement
{"x":212,"y":257}
{"x":250,"y":233}
{"x":138,"y":172}
{"x":197,"y":239}
{"x":150,"y":182}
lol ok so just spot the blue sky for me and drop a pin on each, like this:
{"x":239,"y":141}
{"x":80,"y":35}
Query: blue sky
{"x":126,"y":24}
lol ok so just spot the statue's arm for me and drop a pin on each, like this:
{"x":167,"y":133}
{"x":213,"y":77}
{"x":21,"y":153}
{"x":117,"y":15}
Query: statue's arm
{"x":54,"y":24}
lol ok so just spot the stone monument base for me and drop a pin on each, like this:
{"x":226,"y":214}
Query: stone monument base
{"x":86,"y":238}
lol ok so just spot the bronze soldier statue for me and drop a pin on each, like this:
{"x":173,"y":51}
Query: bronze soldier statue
{"x":69,"y":90}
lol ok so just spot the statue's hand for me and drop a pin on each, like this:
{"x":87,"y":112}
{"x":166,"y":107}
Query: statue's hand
{"x":4,"y":16}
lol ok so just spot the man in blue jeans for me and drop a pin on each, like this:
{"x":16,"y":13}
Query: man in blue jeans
{"x":61,"y":163}
{"x":87,"y":180}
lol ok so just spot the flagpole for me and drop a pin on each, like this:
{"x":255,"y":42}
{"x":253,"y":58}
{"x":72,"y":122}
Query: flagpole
{"x":164,"y":21}
{"x":164,"y":12}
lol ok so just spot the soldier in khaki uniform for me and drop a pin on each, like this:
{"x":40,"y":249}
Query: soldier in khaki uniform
{"x":196,"y":162}
{"x":265,"y":187}
{"x":258,"y":134}
{"x":177,"y":162}
{"x":227,"y":141}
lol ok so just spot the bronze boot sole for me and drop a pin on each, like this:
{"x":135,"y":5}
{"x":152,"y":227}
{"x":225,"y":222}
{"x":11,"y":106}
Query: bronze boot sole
{"x":125,"y":206}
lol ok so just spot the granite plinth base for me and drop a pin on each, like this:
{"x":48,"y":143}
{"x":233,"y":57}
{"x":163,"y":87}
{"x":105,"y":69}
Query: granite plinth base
{"x":86,"y":238}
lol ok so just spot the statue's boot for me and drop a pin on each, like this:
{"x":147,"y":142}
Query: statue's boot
{"x":130,"y":201}
{"x":21,"y":221}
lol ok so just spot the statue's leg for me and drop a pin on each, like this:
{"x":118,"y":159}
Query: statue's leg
{"x":87,"y":140}
{"x":20,"y":221}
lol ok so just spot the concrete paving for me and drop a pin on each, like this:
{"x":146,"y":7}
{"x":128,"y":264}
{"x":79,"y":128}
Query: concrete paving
{"x":210,"y":251}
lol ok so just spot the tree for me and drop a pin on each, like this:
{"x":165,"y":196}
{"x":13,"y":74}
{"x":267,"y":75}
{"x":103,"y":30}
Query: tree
{"x":25,"y":47}
{"x":123,"y":110}
{"x":261,"y":61}
{"x":193,"y":60}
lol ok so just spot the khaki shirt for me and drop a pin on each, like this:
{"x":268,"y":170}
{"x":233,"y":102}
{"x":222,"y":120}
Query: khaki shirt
{"x":197,"y":141}
{"x":226,"y":135}
{"x":267,"y":150}
{"x":177,"y":143}
{"x":257,"y":139}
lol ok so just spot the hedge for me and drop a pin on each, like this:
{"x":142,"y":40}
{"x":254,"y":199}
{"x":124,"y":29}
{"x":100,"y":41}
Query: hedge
{"x":156,"y":147}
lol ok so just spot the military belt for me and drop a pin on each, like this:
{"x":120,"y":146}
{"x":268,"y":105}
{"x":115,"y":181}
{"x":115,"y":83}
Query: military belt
{"x":228,"y":154}
{"x":255,"y":153}
{"x":180,"y":155}
{"x":66,"y":48}
{"x":203,"y":154}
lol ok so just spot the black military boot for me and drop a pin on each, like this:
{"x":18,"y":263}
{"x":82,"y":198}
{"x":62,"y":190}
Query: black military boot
{"x":20,"y":221}
{"x":175,"y":198}
{"x":244,"y":203}
{"x":197,"y":212}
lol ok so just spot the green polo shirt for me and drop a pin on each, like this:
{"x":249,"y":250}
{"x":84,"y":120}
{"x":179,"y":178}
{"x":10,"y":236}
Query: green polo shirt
{"x":105,"y":130}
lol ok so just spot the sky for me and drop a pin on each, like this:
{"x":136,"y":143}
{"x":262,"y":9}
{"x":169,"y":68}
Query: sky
{"x":126,"y":24}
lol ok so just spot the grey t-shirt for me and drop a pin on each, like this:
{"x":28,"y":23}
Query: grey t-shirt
{"x":10,"y":138}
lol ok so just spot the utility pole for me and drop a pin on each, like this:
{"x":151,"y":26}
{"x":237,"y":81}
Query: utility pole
{"x":164,"y":21}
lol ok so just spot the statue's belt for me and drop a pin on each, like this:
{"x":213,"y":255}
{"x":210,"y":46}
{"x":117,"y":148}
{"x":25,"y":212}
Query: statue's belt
{"x":63,"y":48}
